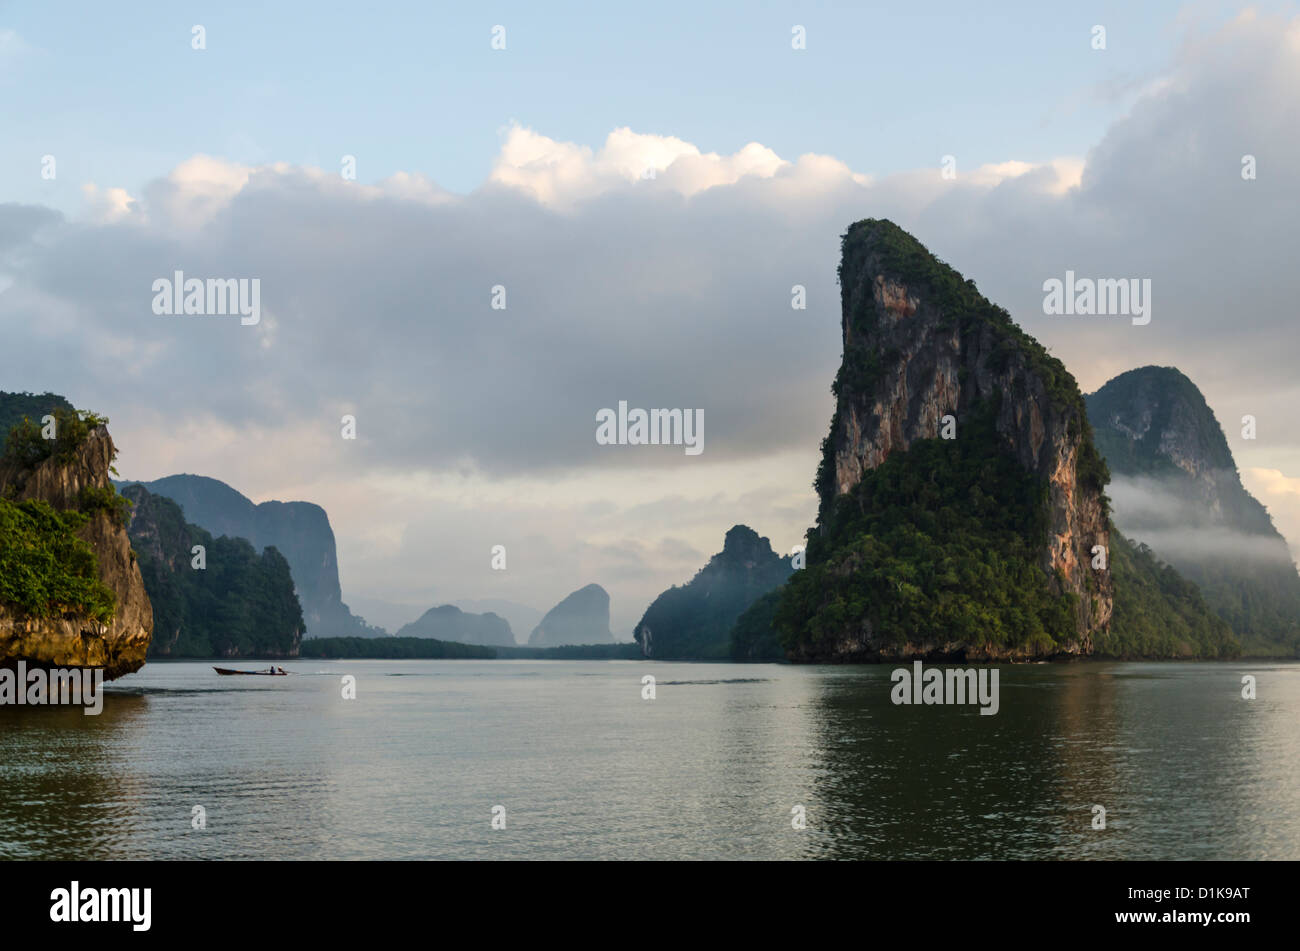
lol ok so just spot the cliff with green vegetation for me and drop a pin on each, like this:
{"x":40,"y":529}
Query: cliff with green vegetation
{"x":1176,"y":487}
{"x":71,"y":592}
{"x":298,"y":530}
{"x":694,"y":620}
{"x":754,"y":637}
{"x":1158,"y":613}
{"x":961,"y":494}
{"x":234,"y":603}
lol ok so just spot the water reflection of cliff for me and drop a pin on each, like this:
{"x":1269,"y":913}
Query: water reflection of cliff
{"x":944,"y":782}
{"x":62,"y":774}
{"x":767,"y":764}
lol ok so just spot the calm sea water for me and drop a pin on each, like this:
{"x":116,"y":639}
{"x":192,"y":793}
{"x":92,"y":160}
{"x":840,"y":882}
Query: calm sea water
{"x":585,"y":768}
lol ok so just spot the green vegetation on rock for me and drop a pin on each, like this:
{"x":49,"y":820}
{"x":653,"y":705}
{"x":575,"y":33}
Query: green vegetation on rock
{"x":1158,"y":613}
{"x":241,"y":604}
{"x":754,"y":636}
{"x":15,"y":407}
{"x":105,"y":499}
{"x":45,"y":568}
{"x":938,"y":544}
{"x":26,"y":445}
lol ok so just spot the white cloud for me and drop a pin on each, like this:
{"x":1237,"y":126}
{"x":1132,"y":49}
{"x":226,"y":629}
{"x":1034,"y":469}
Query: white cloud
{"x":106,"y":205}
{"x":560,"y":174}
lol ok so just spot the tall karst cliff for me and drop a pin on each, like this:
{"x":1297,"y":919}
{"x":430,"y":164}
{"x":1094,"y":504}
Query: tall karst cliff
{"x":961,"y":495}
{"x":71,"y":593}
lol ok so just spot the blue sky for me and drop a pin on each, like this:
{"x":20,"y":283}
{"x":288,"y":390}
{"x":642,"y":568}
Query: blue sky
{"x":118,"y":95}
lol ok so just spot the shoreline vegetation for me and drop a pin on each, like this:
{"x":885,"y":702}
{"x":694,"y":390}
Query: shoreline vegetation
{"x":424,"y":648}
{"x":427,"y":648}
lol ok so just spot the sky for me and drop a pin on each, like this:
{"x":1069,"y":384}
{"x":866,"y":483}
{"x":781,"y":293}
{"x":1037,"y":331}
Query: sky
{"x":647,"y":186}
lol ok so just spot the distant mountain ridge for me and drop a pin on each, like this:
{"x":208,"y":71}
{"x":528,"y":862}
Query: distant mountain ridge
{"x":449,"y":623}
{"x":299,"y":530}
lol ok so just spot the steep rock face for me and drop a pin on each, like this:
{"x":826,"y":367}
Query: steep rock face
{"x":920,"y":343}
{"x":299,"y":530}
{"x":72,"y":639}
{"x":581,"y":618}
{"x":449,"y":623}
{"x":695,"y":619}
{"x":1177,"y":489}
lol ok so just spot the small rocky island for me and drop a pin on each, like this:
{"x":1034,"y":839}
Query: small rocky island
{"x":71,"y":592}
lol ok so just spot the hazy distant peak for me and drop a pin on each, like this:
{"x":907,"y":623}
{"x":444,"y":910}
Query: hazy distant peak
{"x":581,"y":618}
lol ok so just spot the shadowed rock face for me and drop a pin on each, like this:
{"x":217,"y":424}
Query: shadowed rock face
{"x":695,"y":620}
{"x":581,"y":618}
{"x":919,"y":344}
{"x":1154,"y":419}
{"x":73,"y":640}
